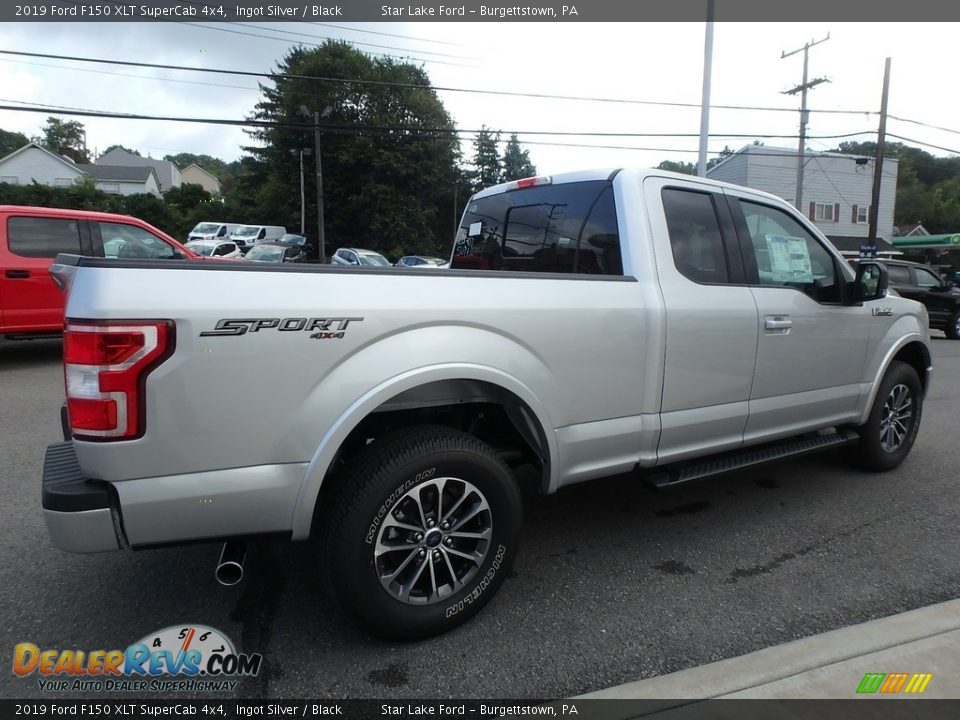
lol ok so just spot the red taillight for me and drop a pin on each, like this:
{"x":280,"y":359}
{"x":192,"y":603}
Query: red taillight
{"x":105,"y":368}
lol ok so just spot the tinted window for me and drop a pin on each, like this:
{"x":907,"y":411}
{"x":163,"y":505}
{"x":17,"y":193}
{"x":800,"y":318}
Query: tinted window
{"x":43,"y":237}
{"x":569,"y":228}
{"x":695,"y":235}
{"x":130,"y":241}
{"x":926,"y":279}
{"x":787,"y":255}
{"x":899,"y":274}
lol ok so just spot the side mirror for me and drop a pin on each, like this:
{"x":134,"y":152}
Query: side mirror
{"x":870,"y":282}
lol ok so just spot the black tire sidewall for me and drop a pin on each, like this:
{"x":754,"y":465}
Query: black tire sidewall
{"x":353,"y":540}
{"x":872,"y":455}
{"x":951,"y":329}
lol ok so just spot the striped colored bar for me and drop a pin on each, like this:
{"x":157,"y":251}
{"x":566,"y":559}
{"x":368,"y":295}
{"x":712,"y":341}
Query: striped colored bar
{"x":893,"y":683}
{"x":918,"y":683}
{"x":871,"y":683}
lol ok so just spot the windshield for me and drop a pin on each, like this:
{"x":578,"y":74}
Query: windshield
{"x":204,"y":249}
{"x":248,"y":231}
{"x":265,"y":252}
{"x":291,"y":239}
{"x":206,"y":228}
{"x":372,"y":259}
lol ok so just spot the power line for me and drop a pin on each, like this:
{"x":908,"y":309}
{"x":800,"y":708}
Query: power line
{"x":391,"y":128}
{"x":923,"y":124}
{"x":917,"y":142}
{"x":385,"y":83}
{"x":129,"y":75}
{"x":386,"y":34}
{"x":287,"y":40}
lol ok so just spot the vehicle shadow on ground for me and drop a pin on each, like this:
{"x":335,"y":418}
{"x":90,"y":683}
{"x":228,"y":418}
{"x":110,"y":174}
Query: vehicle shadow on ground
{"x":24,"y":353}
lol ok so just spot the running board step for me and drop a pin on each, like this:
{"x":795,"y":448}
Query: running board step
{"x":740,"y":460}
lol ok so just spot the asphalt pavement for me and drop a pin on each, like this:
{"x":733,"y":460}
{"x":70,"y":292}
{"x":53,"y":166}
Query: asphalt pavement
{"x":613,"y":582}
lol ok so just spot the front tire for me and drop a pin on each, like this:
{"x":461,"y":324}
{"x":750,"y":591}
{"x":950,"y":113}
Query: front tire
{"x":421,"y":532}
{"x":953,"y":327}
{"x":891,"y":429}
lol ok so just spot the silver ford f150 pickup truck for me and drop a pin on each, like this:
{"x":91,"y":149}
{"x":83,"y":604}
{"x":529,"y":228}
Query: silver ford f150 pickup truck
{"x":591,"y":323}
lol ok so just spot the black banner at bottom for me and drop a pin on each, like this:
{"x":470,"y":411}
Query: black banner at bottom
{"x":858,"y":709}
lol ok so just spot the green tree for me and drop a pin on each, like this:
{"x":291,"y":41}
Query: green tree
{"x":686,"y":168}
{"x":10,"y":141}
{"x":486,"y":159}
{"x":186,"y":197}
{"x":67,"y":138}
{"x":516,"y":162}
{"x":389,"y":152}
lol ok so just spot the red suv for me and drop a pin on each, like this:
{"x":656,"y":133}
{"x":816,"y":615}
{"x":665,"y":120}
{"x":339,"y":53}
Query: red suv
{"x":30,"y":238}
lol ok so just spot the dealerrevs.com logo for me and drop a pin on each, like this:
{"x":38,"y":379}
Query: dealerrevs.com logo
{"x":178,"y":658}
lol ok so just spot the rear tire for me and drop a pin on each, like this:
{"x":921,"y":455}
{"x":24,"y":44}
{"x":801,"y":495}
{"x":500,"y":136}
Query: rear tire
{"x":889,"y":433}
{"x":421,"y":532}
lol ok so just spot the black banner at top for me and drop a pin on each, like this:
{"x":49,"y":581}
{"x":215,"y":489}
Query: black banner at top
{"x":473,"y":11}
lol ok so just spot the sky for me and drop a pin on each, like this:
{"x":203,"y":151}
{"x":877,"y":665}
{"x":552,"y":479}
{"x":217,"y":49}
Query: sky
{"x":650,"y":62}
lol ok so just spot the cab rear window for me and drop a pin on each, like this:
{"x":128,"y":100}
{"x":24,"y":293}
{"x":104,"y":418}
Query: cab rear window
{"x":567,"y":228}
{"x":43,"y":237}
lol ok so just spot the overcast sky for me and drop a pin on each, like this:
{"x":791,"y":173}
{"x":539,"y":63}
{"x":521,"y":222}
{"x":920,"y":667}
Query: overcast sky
{"x":626,"y":61}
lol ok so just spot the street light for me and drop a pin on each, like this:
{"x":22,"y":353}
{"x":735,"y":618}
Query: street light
{"x":305,"y":111}
{"x":303,"y":198}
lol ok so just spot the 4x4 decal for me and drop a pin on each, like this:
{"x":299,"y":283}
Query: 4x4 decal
{"x":322,"y":328}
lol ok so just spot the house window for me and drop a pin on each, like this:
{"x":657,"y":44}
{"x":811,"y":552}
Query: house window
{"x":112,"y":188}
{"x":11,"y":179}
{"x":862,"y":214}
{"x":63,"y":182}
{"x":823,"y":212}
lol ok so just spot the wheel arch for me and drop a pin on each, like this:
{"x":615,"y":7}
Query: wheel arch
{"x":914,"y":351}
{"x":447,"y":386}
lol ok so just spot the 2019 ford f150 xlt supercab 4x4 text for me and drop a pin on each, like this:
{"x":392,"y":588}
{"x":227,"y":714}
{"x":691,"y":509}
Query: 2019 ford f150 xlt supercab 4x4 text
{"x":593,"y":323}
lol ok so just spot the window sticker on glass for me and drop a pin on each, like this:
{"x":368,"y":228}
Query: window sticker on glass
{"x":475,"y":229}
{"x":789,"y":259}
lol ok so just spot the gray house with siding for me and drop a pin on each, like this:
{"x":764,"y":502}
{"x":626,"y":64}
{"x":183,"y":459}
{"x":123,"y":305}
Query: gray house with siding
{"x":836,"y":189}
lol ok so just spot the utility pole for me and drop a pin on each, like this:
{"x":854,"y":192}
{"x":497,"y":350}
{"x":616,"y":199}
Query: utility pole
{"x":878,"y":164}
{"x":802,"y":89}
{"x":705,"y":98}
{"x":316,"y":142}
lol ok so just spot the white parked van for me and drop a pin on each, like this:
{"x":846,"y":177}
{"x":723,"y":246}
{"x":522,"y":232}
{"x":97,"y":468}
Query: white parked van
{"x":212,"y":231}
{"x":246,"y":236}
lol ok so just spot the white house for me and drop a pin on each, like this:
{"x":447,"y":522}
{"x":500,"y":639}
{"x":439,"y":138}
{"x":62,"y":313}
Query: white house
{"x":119,"y":180}
{"x":836,"y":194}
{"x":168,"y":174}
{"x":195,"y":175}
{"x":34,"y":163}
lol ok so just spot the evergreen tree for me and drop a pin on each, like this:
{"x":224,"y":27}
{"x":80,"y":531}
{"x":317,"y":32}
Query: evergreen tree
{"x":389,"y":152}
{"x":486,"y":159}
{"x":516,"y":162}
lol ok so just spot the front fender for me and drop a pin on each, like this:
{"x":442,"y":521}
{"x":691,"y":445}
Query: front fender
{"x":905,"y":331}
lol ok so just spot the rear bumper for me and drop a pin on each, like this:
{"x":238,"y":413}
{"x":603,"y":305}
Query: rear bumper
{"x":80,"y":514}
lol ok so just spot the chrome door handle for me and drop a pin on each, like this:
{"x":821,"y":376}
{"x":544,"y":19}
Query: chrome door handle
{"x":777,"y":322}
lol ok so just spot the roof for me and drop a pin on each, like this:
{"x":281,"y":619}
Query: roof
{"x":205,"y":172}
{"x":769,"y":150}
{"x":852,"y":243}
{"x":945,"y":240}
{"x":58,"y":158}
{"x":120,"y":173}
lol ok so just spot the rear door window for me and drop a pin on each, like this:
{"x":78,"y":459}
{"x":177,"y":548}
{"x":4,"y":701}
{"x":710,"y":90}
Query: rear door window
{"x":899,"y":275}
{"x":129,"y":241}
{"x":568,"y":228}
{"x":43,"y":237}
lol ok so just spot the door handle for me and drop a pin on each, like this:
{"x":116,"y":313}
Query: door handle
{"x":777,"y":322}
{"x":17,"y":274}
